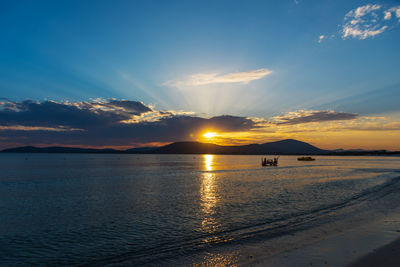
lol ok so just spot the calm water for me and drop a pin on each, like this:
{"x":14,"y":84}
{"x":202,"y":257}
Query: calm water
{"x":89,"y":209}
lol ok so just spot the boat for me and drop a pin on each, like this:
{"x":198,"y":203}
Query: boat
{"x":306,"y":159}
{"x":269,"y":162}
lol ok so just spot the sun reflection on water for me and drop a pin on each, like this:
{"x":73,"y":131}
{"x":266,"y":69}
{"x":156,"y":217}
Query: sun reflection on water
{"x":209,"y":196}
{"x":208,"y":162}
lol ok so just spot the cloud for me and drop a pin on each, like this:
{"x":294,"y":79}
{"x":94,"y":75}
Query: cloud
{"x":122,"y":106}
{"x":361,"y":123}
{"x":362,"y":33}
{"x":51,"y":113}
{"x":232,"y":123}
{"x":305,"y":116}
{"x":124,"y":123}
{"x":108,"y":123}
{"x":37,"y":128}
{"x":388,"y":15}
{"x":104,"y":123}
{"x":321,"y":38}
{"x":395,"y":10}
{"x":366,"y":22}
{"x":132,"y":107}
{"x":374,"y":126}
{"x":215,"y":78}
{"x":362,"y":11}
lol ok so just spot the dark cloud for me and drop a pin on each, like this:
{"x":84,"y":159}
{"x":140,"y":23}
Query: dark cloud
{"x":232,"y":123}
{"x":133,"y":107}
{"x":304,"y":116}
{"x":51,"y":114}
{"x":103,"y":123}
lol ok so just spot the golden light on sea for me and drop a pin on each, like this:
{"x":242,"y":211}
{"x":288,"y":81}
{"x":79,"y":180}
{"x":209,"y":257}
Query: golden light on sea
{"x":209,"y":196}
{"x":208,"y":161}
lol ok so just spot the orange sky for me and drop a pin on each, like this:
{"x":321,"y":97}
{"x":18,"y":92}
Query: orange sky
{"x":380,"y":132}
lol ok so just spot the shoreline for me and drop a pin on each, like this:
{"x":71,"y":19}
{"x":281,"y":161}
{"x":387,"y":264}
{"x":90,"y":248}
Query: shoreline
{"x":362,"y":237}
{"x":388,"y":256}
{"x":365,"y":245}
{"x":340,"y":238}
{"x":350,"y":236}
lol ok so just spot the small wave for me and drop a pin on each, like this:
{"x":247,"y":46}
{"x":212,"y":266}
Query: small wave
{"x":260,"y":169}
{"x":379,"y":170}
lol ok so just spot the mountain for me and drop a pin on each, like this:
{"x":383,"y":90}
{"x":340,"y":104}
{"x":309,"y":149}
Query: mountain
{"x":141,"y":149}
{"x":288,"y":146}
{"x":283,"y":147}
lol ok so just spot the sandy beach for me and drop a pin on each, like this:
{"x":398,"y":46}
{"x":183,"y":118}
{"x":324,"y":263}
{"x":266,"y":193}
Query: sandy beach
{"x":372,"y":244}
{"x":388,"y":255}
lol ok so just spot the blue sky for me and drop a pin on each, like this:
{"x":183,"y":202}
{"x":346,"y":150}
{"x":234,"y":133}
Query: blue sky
{"x":243,"y":58}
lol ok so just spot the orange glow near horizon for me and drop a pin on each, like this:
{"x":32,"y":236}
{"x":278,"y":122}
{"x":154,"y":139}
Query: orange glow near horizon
{"x":321,"y":138}
{"x":369,"y":133}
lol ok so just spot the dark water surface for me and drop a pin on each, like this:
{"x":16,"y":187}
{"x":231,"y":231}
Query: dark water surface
{"x":88,"y":209}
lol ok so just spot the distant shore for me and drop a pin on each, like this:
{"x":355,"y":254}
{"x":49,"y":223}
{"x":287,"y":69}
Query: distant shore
{"x":290,"y":147}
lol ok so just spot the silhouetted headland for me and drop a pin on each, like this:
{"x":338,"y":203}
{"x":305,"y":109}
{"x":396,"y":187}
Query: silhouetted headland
{"x":283,"y":147}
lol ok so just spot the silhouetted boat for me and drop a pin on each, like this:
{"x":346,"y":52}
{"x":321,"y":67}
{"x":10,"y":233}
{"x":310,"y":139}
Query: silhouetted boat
{"x":305,"y":159}
{"x":269,"y":162}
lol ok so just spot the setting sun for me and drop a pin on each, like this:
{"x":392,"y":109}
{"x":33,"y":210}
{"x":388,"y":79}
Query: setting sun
{"x":210,"y":135}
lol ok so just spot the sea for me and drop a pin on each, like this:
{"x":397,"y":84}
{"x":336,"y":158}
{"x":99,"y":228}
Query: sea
{"x":177,"y":210}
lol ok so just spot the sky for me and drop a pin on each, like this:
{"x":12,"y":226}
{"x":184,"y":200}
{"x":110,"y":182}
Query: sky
{"x":142,"y":73}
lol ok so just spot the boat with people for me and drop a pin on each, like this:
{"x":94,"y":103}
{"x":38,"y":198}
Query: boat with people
{"x":269,"y":162}
{"x":306,"y":159}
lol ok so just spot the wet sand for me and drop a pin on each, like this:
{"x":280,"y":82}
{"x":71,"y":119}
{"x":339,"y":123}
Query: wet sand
{"x":388,"y":256}
{"x":373,"y":244}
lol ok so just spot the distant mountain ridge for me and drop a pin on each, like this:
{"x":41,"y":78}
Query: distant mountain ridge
{"x":288,"y":146}
{"x":283,"y":147}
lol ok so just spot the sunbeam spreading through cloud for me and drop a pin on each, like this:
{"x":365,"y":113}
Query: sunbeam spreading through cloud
{"x":105,"y":122}
{"x":125,"y":123}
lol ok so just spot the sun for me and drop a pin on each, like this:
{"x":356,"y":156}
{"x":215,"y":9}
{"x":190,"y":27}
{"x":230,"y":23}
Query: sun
{"x":210,"y":135}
